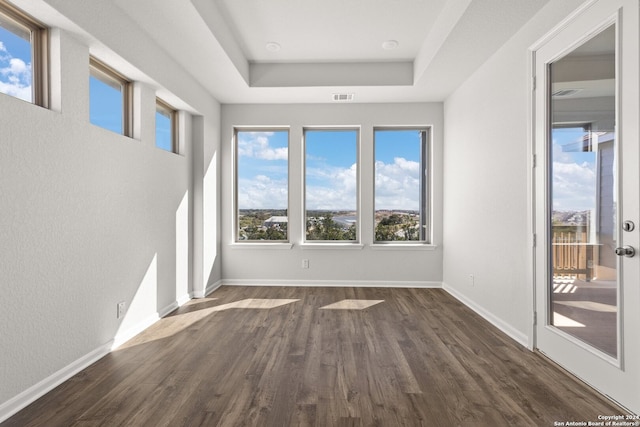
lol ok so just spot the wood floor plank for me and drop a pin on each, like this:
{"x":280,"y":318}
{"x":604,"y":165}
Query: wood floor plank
{"x":240,"y":358}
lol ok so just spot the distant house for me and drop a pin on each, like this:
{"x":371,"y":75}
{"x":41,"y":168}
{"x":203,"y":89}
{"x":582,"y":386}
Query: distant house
{"x":275,"y":221}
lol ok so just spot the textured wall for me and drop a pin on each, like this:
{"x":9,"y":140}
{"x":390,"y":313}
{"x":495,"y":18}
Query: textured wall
{"x":89,"y":218}
{"x":486,"y":170}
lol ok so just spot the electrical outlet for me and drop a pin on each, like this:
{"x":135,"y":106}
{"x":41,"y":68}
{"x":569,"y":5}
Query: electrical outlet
{"x":472,"y":280}
{"x":305,"y":263}
{"x":122,"y":306}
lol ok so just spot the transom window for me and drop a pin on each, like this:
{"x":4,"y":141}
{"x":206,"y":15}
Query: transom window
{"x":262,"y":184}
{"x":110,"y":99}
{"x":23,"y":65}
{"x":166,"y":127}
{"x":401,"y":184}
{"x":331,"y":184}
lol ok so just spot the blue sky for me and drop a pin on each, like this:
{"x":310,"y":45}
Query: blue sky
{"x":330,"y":170}
{"x":163,"y":131}
{"x":15,"y":65}
{"x":574,"y":173}
{"x":263,"y":170}
{"x":105,"y":100}
{"x":105,"y":105}
{"x":397,"y":169}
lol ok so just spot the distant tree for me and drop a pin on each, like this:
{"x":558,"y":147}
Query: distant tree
{"x":325,"y":228}
{"x":274,"y":233}
{"x":410,"y":231}
{"x":397,"y":227}
{"x":251,"y":225}
{"x":385,"y":233}
{"x":393,"y":219}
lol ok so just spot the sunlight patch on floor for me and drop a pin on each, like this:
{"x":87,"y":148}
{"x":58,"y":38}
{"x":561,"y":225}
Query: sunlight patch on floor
{"x":257,"y":303}
{"x":562,"y":321}
{"x":352,"y":304}
{"x":564,"y":285}
{"x":176,"y":323}
{"x":564,"y":288}
{"x":590,"y":305}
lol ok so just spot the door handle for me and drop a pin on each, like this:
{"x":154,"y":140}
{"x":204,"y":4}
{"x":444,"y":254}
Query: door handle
{"x":627,"y":251}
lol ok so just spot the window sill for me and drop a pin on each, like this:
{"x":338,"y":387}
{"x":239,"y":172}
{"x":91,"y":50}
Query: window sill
{"x":332,"y":246}
{"x":262,"y":245}
{"x":403,"y":247}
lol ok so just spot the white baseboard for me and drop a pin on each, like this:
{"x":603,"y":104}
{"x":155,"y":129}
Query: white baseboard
{"x":210,"y":288}
{"x":126,"y":335}
{"x":505,"y":327}
{"x":30,"y":395}
{"x":12,"y":406}
{"x":334,"y":283}
{"x":183,"y":299}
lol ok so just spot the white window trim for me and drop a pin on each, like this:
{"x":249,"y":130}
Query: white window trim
{"x":426,"y":191}
{"x":235,"y":226}
{"x":336,"y":244}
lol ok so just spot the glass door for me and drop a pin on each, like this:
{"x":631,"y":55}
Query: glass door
{"x":585,"y":252}
{"x":583,"y":191}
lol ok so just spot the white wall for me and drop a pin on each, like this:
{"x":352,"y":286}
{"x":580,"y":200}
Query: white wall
{"x":89,"y":218}
{"x":253,"y":264}
{"x":487,"y":167}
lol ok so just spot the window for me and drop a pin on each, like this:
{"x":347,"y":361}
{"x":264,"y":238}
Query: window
{"x":401,"y":184}
{"x":166,"y":127}
{"x":262,"y":184}
{"x":23,"y":65}
{"x":109,"y":99}
{"x":331,"y":184}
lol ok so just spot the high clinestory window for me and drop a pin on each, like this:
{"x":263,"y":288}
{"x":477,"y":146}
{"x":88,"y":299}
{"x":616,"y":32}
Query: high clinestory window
{"x":262,"y":184}
{"x":110,"y":99}
{"x":331,"y":184}
{"x":166,"y":126}
{"x":23,"y":54}
{"x":401,"y":184}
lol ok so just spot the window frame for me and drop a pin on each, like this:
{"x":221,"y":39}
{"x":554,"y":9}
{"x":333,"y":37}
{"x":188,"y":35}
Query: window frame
{"x":357,"y":241}
{"x":39,"y":40}
{"x":285,"y":243}
{"x":426,"y":180}
{"x":173,"y":119}
{"x":102,"y":72}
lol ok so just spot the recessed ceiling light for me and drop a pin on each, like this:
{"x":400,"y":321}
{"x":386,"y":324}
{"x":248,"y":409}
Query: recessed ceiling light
{"x":390,"y":44}
{"x":273,"y":47}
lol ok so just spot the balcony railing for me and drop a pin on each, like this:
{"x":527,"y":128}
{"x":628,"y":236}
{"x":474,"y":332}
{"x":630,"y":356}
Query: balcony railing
{"x":572,"y":254}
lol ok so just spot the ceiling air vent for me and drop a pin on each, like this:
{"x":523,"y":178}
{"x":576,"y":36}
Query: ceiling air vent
{"x":343,"y":97}
{"x":563,"y":93}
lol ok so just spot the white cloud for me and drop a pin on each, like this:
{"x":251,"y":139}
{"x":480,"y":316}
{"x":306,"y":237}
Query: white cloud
{"x":256,"y":144}
{"x":15,"y":76}
{"x":574,"y":179}
{"x":574,"y":186}
{"x":333,"y":188}
{"x":398,"y":184}
{"x":559,"y":155}
{"x":262,"y":192}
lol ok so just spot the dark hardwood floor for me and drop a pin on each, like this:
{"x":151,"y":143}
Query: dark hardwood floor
{"x":275,"y":357}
